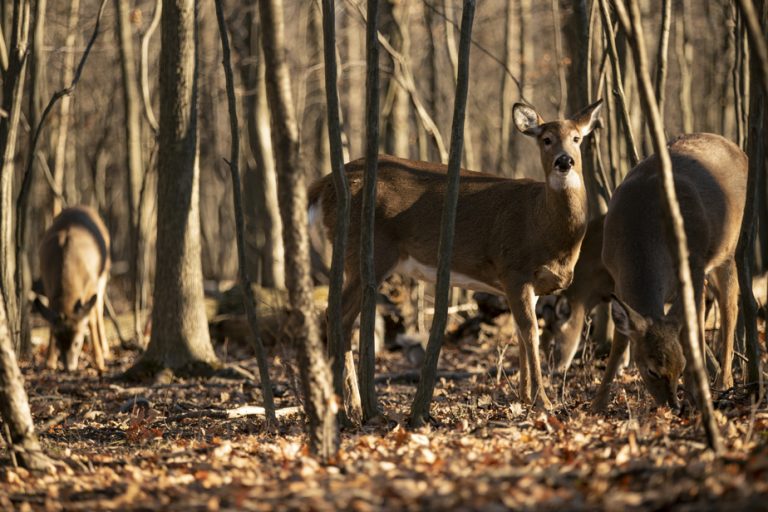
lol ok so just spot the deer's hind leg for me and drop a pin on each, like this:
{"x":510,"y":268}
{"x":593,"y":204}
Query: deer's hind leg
{"x":728,"y":301}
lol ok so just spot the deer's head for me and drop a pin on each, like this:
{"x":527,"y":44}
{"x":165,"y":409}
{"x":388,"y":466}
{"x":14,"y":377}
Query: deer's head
{"x":657,"y":350}
{"x":68,"y":326}
{"x":559,"y":142}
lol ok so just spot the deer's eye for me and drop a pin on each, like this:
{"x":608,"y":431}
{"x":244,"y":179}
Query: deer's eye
{"x":547,"y":141}
{"x":577,"y":139}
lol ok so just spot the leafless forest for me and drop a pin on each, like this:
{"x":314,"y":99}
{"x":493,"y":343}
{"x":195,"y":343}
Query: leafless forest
{"x":202,"y":307}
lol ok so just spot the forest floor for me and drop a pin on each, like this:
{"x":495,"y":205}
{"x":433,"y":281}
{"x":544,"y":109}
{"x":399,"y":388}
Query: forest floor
{"x":166,"y":447}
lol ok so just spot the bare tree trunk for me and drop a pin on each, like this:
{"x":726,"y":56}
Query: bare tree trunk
{"x":60,"y":152}
{"x":14,"y":406}
{"x":353,"y":84}
{"x":420,"y":407}
{"x":507,"y":94}
{"x":39,"y":188}
{"x":134,"y":160}
{"x":684,"y":51}
{"x":755,"y":20}
{"x":336,"y":341}
{"x":313,"y":366}
{"x":661,"y":55}
{"x":690,"y":337}
{"x":563,"y":98}
{"x":249,"y":303}
{"x":395,"y":114}
{"x":368,"y":400}
{"x":180,"y":340}
{"x":264,"y":227}
{"x":316,"y":96}
{"x":618,"y":81}
{"x":470,"y":158}
{"x":13,"y":89}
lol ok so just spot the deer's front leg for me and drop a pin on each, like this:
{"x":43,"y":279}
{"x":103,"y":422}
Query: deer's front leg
{"x":618,"y":351}
{"x":98,"y":354}
{"x":52,"y":359}
{"x":522,"y":302}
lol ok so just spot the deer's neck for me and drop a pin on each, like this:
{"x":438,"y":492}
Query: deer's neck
{"x":566,"y":207}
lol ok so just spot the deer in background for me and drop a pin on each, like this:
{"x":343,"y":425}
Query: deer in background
{"x":74,"y":263}
{"x":517,"y":238}
{"x":710,"y":175}
{"x":592,"y":284}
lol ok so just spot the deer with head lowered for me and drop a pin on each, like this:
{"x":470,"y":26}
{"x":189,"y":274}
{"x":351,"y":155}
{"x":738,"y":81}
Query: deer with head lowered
{"x":710,"y":176}
{"x":74,"y":263}
{"x":513,"y":237}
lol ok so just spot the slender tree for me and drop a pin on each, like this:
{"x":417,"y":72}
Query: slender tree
{"x":134,"y":159}
{"x":13,"y":88}
{"x":180,"y":340}
{"x":756,"y":149}
{"x":370,"y":407}
{"x":420,"y":407}
{"x":632,"y":26}
{"x":313,"y":366}
{"x":336,"y":342}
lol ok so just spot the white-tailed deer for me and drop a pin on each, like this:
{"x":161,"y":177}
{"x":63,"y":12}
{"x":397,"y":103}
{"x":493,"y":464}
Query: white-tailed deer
{"x":710,"y":175}
{"x":518,"y":238}
{"x":592,"y":284}
{"x":74,"y":263}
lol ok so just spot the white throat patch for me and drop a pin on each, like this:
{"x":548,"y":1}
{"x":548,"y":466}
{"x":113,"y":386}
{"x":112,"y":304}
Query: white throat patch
{"x":557,"y":181}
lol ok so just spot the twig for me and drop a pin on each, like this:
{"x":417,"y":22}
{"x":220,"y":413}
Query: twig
{"x":11,"y":448}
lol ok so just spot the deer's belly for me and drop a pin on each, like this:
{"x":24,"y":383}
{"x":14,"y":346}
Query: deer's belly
{"x":415,"y":269}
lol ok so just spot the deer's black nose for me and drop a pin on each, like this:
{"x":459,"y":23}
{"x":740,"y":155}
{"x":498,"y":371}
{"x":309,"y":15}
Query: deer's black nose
{"x":564,"y":162}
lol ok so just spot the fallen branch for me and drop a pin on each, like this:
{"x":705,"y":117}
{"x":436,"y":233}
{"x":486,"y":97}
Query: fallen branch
{"x":231,"y":414}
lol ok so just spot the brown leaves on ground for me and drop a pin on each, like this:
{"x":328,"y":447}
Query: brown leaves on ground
{"x":159,"y":448}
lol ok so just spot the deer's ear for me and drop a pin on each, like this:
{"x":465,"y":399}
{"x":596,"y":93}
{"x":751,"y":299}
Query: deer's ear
{"x":82,"y":309}
{"x":628,"y":321}
{"x":589,"y":118}
{"x":44,"y":310}
{"x":527,"y":120}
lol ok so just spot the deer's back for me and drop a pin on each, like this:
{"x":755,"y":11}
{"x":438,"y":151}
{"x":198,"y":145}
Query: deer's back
{"x":74,"y":254}
{"x":710,"y":175}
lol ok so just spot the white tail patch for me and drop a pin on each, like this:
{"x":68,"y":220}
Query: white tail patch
{"x":317,"y":231}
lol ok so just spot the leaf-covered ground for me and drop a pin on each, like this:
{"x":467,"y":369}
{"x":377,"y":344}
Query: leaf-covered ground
{"x":167,"y":447}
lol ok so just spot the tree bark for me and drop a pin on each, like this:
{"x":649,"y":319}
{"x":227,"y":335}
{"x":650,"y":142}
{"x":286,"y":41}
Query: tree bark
{"x":134,"y":159}
{"x":661,"y":55}
{"x":396,"y":112}
{"x":62,"y":133}
{"x":264,"y":239}
{"x":370,"y":407}
{"x":180,"y":340}
{"x":755,"y":20}
{"x":336,"y":342}
{"x":316,"y":96}
{"x":249,"y":303}
{"x":690,"y":337}
{"x":420,"y":407}
{"x":13,"y":89}
{"x":14,"y":406}
{"x":313,"y":366}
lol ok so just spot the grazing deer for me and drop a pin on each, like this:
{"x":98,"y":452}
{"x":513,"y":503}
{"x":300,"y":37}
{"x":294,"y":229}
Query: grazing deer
{"x":592,"y":284}
{"x":710,"y":176}
{"x":518,"y":238}
{"x":74,"y":263}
